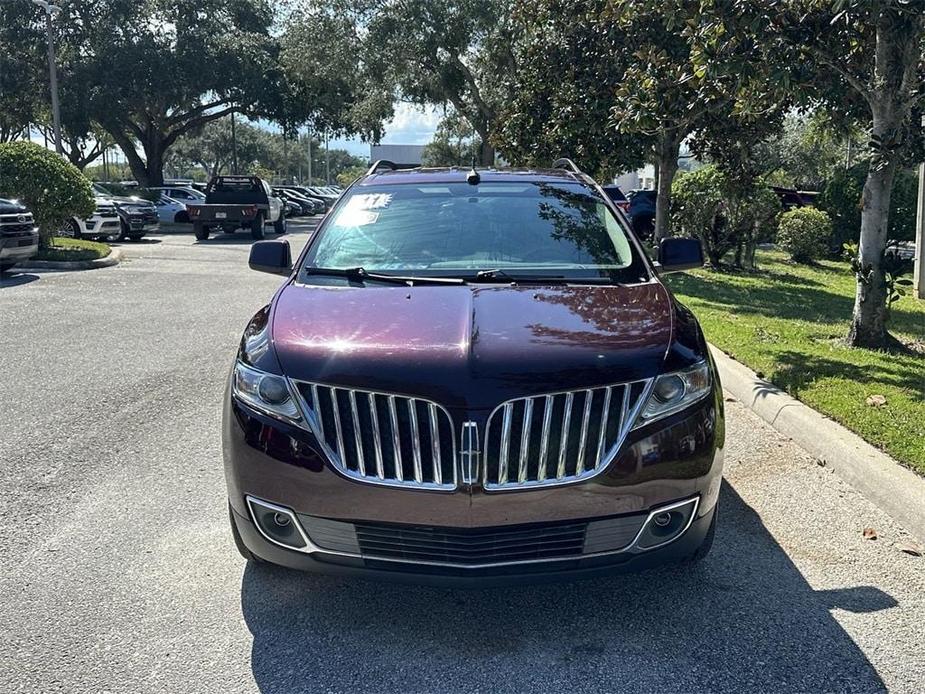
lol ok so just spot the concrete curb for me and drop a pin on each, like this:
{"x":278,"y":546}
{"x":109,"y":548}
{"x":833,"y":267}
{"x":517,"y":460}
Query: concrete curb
{"x":896,"y":490}
{"x":114,"y":258}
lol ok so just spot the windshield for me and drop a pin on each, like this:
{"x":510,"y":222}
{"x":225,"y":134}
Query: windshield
{"x":518,"y":229}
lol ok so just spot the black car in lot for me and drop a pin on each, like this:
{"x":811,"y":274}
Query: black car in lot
{"x":137,"y":215}
{"x":19,"y":236}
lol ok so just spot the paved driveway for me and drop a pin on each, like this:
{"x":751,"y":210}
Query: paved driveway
{"x":117,"y":571}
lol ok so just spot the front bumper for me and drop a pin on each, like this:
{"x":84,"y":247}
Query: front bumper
{"x":540,"y":572}
{"x":98,"y":226}
{"x":674,"y":459}
{"x":19,"y":248}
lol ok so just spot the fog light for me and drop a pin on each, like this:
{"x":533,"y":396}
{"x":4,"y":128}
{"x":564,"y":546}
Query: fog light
{"x":662,"y":519}
{"x":667,"y":524}
{"x":277,"y":523}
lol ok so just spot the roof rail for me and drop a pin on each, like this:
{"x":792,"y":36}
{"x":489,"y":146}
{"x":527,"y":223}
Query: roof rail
{"x":567,"y":164}
{"x":381,"y":164}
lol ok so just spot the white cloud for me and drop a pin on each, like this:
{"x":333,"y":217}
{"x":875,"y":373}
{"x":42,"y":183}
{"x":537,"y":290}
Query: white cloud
{"x":411,"y":125}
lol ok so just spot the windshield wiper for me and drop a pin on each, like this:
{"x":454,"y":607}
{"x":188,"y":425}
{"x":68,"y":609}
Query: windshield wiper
{"x":499,"y":274}
{"x":360,"y":274}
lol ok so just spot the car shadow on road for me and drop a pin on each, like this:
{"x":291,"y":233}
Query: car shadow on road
{"x":13,"y":278}
{"x":743,"y":620}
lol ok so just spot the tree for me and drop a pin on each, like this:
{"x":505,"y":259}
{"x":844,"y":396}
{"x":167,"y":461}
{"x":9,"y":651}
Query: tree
{"x":24,"y":92}
{"x":569,"y":63}
{"x":855,"y":57}
{"x":443,"y":52}
{"x":50,"y":187}
{"x":158,"y":69}
{"x":211,"y":147}
{"x":454,"y":144}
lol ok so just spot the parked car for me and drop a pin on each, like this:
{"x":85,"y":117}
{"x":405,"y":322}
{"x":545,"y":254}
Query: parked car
{"x":170,"y":211}
{"x":137,"y":215}
{"x":19,"y":237}
{"x":290,"y":209}
{"x":233,"y":202}
{"x":182,"y":193}
{"x":642,"y":213}
{"x":103,"y":224}
{"x":473,"y":377}
{"x":321,"y":204}
{"x":307,"y":206}
{"x":791,"y":198}
{"x":616,"y":195}
{"x":328,"y":198}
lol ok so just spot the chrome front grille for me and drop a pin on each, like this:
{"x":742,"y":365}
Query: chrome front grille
{"x":383,"y":438}
{"x":558,"y":438}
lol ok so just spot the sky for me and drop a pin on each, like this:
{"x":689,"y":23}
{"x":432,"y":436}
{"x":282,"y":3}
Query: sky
{"x":411,"y":125}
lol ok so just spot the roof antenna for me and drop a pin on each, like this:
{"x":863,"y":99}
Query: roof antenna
{"x":473,"y":178}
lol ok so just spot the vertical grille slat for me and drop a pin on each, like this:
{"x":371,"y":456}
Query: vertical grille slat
{"x":377,"y":439}
{"x":415,"y":441}
{"x":563,"y":436}
{"x":523,"y":456}
{"x":581,"y":432}
{"x":382,"y":438}
{"x":396,"y":440}
{"x":357,"y":433}
{"x":505,"y":443}
{"x":435,"y":442}
{"x":583,"y":437}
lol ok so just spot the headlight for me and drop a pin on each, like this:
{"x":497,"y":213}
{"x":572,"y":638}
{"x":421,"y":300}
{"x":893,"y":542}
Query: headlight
{"x":674,"y":391}
{"x":265,"y":392}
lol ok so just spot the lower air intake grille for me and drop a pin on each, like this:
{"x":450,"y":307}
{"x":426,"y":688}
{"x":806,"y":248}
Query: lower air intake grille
{"x":472,"y":547}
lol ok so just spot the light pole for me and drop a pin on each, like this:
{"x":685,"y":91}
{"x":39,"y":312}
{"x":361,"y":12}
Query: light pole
{"x":50,"y":12}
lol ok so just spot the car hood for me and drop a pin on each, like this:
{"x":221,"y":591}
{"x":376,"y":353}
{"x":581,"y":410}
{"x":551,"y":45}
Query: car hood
{"x":10,"y":207}
{"x":471,"y":347}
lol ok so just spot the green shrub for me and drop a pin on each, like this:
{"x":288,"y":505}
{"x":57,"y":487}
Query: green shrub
{"x":841,"y":198}
{"x":53,"y":189}
{"x":724,"y":214}
{"x":804,"y":233}
{"x":73,"y":249}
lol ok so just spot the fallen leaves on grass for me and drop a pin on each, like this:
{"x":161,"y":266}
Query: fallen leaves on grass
{"x":876,"y":400}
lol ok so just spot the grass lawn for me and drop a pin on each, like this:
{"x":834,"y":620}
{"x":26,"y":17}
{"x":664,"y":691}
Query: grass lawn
{"x":73,"y":249}
{"x":787,"y":322}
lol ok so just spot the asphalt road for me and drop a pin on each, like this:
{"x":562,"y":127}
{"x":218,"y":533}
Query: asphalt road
{"x":118,"y":574}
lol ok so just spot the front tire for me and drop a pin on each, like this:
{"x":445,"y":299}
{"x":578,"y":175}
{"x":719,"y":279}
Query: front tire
{"x":72,"y":230}
{"x":199,"y":229}
{"x":257,"y":227}
{"x":280,"y":225}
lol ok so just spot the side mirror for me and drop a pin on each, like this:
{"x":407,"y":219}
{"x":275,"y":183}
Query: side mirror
{"x":675,"y":255}
{"x":271,"y":256}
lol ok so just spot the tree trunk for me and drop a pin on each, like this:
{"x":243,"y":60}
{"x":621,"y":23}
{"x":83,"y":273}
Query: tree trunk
{"x":668,"y":150}
{"x":868,"y":323}
{"x":486,"y":152}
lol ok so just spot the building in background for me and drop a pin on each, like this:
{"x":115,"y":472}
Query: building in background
{"x":403,"y":155}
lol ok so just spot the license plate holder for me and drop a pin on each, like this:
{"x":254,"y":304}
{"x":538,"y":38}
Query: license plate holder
{"x":221,"y":215}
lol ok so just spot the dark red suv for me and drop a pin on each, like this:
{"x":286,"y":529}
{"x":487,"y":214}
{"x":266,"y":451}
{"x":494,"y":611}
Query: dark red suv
{"x":473,"y":376}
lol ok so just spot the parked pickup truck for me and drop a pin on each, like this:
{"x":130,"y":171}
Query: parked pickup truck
{"x":236,"y":202}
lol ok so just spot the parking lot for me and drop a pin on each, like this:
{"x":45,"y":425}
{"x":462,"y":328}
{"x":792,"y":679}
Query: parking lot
{"x":118,"y":572}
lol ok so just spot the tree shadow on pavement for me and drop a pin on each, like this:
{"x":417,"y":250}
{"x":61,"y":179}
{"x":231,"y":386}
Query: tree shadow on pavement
{"x":743,"y":620}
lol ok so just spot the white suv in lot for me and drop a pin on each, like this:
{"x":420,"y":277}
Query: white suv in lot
{"x":103,"y":224}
